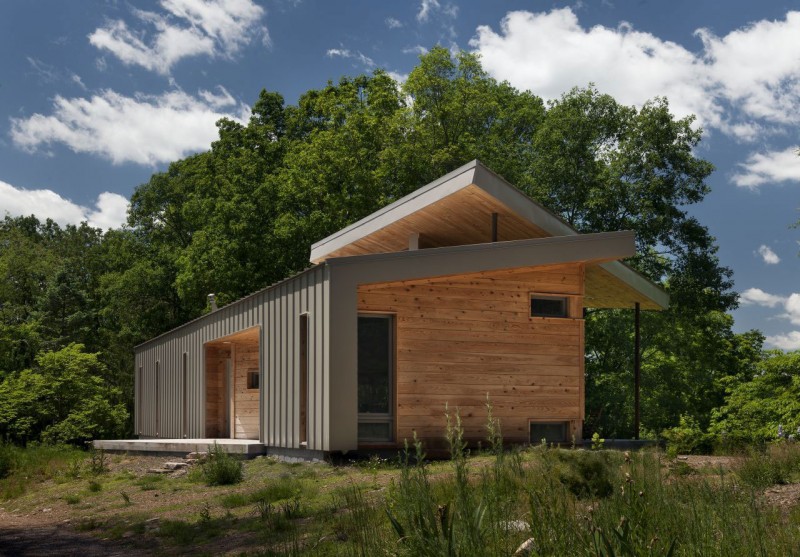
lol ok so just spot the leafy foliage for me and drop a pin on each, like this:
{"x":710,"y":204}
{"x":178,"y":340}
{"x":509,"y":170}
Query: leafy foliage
{"x":63,"y":399}
{"x":754,"y":409}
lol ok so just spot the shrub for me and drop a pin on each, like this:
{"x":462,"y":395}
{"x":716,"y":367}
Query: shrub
{"x":586,"y":474}
{"x":687,"y":437}
{"x":220,"y":468}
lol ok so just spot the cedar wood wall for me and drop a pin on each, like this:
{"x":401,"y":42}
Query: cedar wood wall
{"x":460,"y":338}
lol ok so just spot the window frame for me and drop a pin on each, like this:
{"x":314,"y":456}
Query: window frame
{"x":567,"y":425}
{"x":565,"y":299}
{"x":390,"y":417}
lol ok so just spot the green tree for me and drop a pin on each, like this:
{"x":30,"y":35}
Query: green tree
{"x":63,"y":398}
{"x":755,"y":408}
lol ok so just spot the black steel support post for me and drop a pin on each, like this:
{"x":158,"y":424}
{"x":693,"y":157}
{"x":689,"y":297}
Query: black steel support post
{"x":494,"y":227}
{"x":637,"y":370}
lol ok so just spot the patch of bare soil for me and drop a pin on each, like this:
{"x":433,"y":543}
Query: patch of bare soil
{"x":36,"y":536}
{"x":785,"y":497}
{"x":699,"y":462}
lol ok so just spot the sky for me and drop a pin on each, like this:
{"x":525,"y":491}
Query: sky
{"x":97,"y":95}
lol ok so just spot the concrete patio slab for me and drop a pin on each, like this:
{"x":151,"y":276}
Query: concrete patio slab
{"x":180,"y":447}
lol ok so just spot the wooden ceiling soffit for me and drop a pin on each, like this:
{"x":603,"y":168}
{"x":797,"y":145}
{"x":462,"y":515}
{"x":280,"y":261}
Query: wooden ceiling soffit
{"x":618,"y":286}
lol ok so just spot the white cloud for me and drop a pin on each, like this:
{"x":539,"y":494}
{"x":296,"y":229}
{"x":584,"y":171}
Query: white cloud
{"x":789,"y":341}
{"x":425,"y":9}
{"x":792,"y":307}
{"x":769,"y":167}
{"x":45,"y":72}
{"x":109,"y":211}
{"x":347,"y":53}
{"x":144,"y":129}
{"x":393,"y":23}
{"x":416,"y":49}
{"x":791,"y":312}
{"x":400,"y":78}
{"x":429,"y":7}
{"x":759,"y":297}
{"x":76,"y":79}
{"x":769,"y":256}
{"x":185,"y":28}
{"x":744,"y":84}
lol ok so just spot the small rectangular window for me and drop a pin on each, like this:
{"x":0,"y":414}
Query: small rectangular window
{"x":252,"y":379}
{"x":551,"y":432}
{"x":548,"y":306}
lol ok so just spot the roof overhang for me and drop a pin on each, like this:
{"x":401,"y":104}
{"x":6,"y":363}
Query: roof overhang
{"x":455,"y":211}
{"x":472,"y":184}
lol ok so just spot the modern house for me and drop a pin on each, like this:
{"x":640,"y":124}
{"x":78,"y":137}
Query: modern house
{"x":464,"y":288}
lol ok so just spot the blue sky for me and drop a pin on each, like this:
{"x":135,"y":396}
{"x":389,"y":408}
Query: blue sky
{"x":97,"y":95}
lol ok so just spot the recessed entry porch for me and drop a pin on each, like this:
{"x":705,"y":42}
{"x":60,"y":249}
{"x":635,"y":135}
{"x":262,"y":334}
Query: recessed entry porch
{"x":232,"y":379}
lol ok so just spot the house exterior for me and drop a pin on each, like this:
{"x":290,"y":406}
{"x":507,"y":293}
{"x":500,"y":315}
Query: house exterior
{"x":463,"y":289}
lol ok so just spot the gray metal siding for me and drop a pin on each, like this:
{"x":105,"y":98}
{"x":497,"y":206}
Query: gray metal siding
{"x":276,"y":311}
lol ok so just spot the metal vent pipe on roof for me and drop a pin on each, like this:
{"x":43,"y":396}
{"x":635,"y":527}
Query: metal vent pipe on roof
{"x":212,"y":300}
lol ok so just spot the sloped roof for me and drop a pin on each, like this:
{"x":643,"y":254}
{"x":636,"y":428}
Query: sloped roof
{"x":457,"y":208}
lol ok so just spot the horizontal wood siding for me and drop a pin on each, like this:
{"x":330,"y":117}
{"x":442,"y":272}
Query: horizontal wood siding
{"x":215,"y":392}
{"x":461,"y":338}
{"x":245,"y":400}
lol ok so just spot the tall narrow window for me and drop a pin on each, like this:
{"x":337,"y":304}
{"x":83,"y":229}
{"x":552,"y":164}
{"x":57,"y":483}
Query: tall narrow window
{"x":303,"y":379}
{"x":185,"y":373}
{"x":139,"y":402}
{"x":375,"y":378}
{"x":158,"y":406}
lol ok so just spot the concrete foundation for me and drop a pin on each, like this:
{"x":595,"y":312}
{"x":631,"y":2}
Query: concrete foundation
{"x":180,"y":447}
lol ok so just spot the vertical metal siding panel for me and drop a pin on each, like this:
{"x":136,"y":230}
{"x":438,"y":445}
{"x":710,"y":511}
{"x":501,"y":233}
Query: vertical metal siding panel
{"x":326,"y":370}
{"x":321,"y":370}
{"x":273,"y":359}
{"x":282,"y":370}
{"x":261,"y":367}
{"x":278,"y":352}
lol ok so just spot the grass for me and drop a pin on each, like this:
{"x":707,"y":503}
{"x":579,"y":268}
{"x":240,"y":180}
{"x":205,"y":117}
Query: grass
{"x":568,"y":502}
{"x":23,"y":467}
{"x":778,"y":464}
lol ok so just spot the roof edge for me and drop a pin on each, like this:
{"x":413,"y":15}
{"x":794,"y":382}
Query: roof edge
{"x":371,"y":218}
{"x":230,"y":305}
{"x":485,"y":247}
